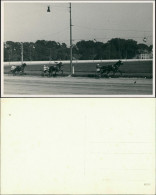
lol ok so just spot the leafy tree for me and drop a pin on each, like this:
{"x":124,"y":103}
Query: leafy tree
{"x":83,"y":50}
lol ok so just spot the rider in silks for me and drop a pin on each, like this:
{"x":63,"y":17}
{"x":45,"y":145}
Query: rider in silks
{"x":13,"y":67}
{"x":97,"y":68}
{"x":45,"y":68}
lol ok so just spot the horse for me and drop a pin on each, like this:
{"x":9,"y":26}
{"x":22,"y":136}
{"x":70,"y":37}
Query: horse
{"x":56,"y":69}
{"x":18,"y":69}
{"x":110,"y":68}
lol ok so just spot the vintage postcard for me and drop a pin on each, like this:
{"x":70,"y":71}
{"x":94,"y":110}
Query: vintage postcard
{"x":72,"y":137}
{"x":78,"y":49}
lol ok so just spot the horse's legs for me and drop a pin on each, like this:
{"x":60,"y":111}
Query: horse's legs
{"x":108,"y":71}
{"x":97,"y":74}
{"x":44,"y":73}
{"x":114,"y":73}
{"x":120,"y":72}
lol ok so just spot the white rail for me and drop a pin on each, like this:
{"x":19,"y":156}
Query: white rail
{"x":74,"y":61}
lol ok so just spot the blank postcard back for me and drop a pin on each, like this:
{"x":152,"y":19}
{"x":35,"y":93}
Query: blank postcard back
{"x":78,"y":146}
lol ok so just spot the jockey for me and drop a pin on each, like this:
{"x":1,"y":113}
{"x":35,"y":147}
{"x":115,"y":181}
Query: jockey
{"x":45,"y":68}
{"x":13,"y":67}
{"x":97,"y":68}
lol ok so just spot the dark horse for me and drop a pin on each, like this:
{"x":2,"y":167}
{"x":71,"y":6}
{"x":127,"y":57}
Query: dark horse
{"x":18,"y":69}
{"x":110,"y":68}
{"x":56,"y":69}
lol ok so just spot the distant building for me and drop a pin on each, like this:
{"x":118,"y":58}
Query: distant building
{"x":144,"y":54}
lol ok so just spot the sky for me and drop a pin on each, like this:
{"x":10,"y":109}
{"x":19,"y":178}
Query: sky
{"x":29,"y":22}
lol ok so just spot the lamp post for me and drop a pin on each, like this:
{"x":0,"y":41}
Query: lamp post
{"x":119,"y":48}
{"x":30,"y":52}
{"x":10,"y":54}
{"x":21,"y":53}
{"x":71,"y":45}
{"x":50,"y":54}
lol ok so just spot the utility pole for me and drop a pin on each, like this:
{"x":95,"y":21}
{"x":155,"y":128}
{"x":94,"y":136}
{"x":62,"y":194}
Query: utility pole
{"x":21,"y":52}
{"x":119,"y":48}
{"x":109,"y":50}
{"x":71,"y":45}
{"x":50,"y":54}
{"x":9,"y":56}
{"x":30,"y":51}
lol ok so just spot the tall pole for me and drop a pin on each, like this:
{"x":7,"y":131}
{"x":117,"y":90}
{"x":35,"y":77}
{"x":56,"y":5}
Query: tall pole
{"x":30,"y":52}
{"x":119,"y":48}
{"x":9,"y":56}
{"x":50,"y":54}
{"x":71,"y":45}
{"x":21,"y":52}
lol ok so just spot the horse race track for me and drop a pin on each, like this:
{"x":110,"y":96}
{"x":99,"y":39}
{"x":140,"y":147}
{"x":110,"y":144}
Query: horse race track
{"x":33,"y":85}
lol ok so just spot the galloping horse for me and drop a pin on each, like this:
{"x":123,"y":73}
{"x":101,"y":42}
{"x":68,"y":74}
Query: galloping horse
{"x":109,"y":68}
{"x":55,"y":69}
{"x":18,"y":69}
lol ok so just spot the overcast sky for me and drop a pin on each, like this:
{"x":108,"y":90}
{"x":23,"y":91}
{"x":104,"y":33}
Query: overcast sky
{"x":101,"y":21}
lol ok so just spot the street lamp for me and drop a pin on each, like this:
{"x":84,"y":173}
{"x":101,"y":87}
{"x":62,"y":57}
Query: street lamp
{"x":71,"y":45}
{"x":48,"y":9}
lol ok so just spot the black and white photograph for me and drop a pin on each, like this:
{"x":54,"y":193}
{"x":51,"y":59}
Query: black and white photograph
{"x":78,"y":49}
{"x":78,"y":107}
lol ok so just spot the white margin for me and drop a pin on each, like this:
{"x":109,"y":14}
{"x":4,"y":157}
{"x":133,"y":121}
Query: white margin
{"x":2,"y":51}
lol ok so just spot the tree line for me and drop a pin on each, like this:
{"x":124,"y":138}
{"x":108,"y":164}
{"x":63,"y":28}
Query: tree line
{"x":43,"y":50}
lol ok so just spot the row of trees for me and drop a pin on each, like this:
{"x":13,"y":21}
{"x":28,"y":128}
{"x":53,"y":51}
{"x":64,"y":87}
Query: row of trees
{"x":43,"y":50}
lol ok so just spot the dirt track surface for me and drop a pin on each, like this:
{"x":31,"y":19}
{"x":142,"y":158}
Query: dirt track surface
{"x":30,"y":85}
